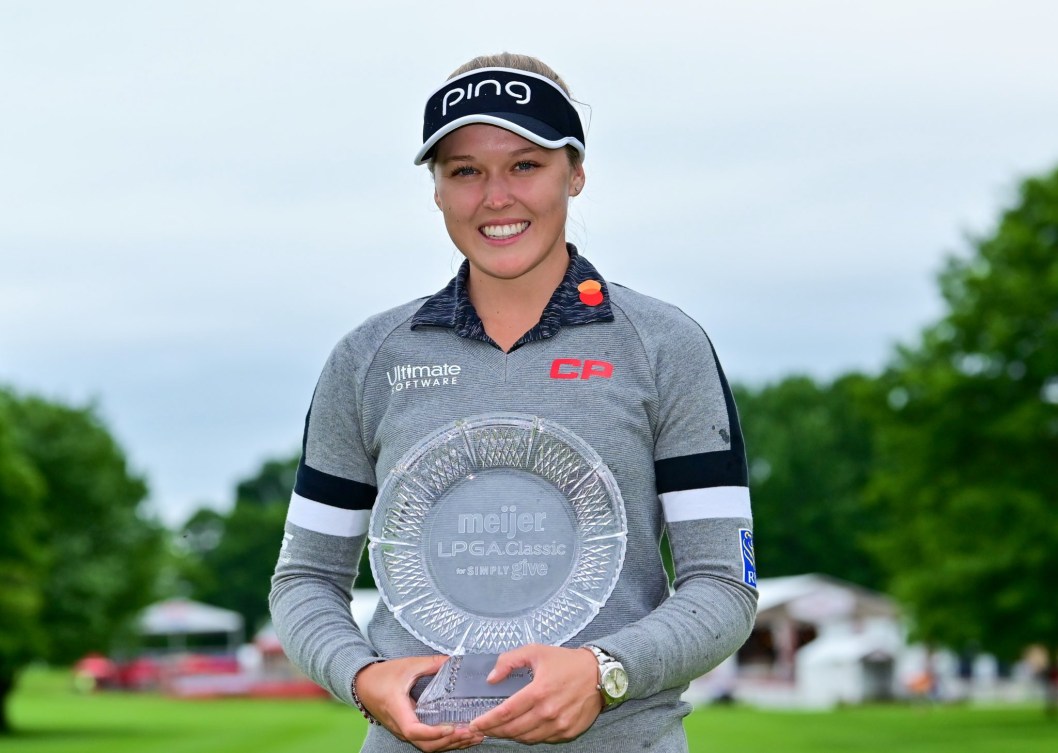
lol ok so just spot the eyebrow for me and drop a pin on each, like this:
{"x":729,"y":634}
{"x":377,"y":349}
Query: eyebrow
{"x":470,"y":157}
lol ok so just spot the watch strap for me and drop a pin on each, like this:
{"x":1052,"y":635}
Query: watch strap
{"x":606,"y":663}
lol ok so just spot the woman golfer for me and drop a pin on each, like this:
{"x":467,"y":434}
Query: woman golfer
{"x":528,"y":327}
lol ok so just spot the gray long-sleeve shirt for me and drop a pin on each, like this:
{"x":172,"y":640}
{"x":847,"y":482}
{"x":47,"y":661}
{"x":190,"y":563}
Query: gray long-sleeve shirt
{"x":635,"y":378}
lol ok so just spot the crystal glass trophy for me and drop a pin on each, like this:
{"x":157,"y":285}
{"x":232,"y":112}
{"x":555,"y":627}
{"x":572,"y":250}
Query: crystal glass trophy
{"x":493,"y":532}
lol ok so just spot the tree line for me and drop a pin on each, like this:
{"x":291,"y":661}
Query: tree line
{"x":77,"y":556}
{"x":932,"y":480}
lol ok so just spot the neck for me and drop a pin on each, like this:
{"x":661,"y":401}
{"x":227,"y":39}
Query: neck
{"x":510,"y":308}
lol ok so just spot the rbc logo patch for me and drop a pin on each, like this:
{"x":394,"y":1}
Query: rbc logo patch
{"x":749,"y":561}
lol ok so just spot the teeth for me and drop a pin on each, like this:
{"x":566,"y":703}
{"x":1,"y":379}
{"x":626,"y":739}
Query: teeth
{"x":504,"y":231}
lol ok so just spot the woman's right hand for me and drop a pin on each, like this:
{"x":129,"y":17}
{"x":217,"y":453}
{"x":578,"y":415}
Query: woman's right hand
{"x":385,"y":690}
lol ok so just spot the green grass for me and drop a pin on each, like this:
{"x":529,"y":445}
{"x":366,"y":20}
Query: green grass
{"x":874,"y":729}
{"x":50,"y":718}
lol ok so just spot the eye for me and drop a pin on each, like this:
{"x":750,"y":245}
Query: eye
{"x":525,"y":166}
{"x":462,"y":171}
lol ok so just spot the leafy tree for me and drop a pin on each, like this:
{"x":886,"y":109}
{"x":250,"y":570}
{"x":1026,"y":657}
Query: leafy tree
{"x":233,"y":555}
{"x":229,"y":557}
{"x":193,"y":547}
{"x":21,"y":563}
{"x":86,"y":560}
{"x":809,"y":449}
{"x":968,"y":437}
{"x":271,"y":485}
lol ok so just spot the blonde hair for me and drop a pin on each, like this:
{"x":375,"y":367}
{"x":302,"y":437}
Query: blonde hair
{"x":512,"y":60}
{"x":520,"y":63}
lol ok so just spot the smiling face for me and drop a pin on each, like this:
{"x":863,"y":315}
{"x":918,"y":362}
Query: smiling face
{"x":504,"y":202}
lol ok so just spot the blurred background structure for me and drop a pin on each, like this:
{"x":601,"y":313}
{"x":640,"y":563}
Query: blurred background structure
{"x":858,"y":202}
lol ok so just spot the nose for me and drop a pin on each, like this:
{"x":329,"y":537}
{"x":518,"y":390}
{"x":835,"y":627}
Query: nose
{"x":497,"y":192}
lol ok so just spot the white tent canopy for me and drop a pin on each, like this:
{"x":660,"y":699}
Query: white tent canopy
{"x":182,"y":617}
{"x":819,"y":599}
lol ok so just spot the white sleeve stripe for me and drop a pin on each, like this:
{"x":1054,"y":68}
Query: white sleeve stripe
{"x":321,"y":518}
{"x":702,"y":504}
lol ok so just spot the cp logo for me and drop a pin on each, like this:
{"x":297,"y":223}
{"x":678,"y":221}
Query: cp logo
{"x":574,"y":368}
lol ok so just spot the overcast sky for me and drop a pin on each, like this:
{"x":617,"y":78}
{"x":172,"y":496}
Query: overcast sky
{"x":197,"y":199}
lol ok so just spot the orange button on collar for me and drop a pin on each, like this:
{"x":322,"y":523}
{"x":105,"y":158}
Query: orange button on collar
{"x":590,"y":292}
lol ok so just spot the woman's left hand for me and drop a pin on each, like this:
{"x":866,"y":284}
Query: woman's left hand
{"x":560,"y":703}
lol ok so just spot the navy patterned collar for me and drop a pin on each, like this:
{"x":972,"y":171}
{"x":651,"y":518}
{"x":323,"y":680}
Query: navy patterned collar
{"x":451,"y":306}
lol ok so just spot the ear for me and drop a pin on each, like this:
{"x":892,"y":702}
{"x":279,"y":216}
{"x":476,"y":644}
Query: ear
{"x":576,"y":180}
{"x":437,"y":199}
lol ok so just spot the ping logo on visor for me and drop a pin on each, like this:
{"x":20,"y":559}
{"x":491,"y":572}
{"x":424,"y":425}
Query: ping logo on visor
{"x":532,"y":106}
{"x":518,"y":90}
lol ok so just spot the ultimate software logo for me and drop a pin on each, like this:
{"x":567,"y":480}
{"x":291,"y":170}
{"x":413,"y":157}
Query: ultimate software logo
{"x":410,"y":376}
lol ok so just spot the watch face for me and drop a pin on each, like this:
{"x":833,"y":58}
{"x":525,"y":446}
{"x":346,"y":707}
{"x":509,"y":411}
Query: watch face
{"x":615,"y":682}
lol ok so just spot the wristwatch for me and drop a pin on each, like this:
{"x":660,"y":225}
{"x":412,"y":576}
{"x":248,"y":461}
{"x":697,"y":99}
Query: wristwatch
{"x":613,"y":679}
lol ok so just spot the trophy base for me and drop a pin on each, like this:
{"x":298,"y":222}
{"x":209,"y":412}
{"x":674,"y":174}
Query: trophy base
{"x":458,"y":693}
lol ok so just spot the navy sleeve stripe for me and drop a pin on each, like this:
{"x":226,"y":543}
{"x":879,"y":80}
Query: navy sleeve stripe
{"x":335,"y":491}
{"x":702,"y":471}
{"x":708,"y":469}
{"x":738,"y":443}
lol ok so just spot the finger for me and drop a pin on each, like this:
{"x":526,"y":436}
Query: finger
{"x":459,"y":739}
{"x":464,"y":738}
{"x":402,"y":712}
{"x":414,"y":730}
{"x":544,"y":727}
{"x":509,"y":661}
{"x":492,"y":721}
{"x":431,"y":665}
{"x":424,"y":666}
{"x":524,"y":730}
{"x":424,"y":733}
{"x":532,"y":723}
